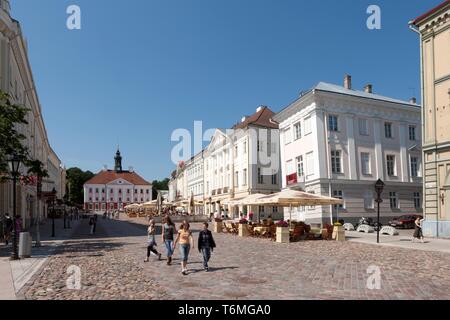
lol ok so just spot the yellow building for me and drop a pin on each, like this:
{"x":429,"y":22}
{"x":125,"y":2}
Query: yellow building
{"x":434,"y":30}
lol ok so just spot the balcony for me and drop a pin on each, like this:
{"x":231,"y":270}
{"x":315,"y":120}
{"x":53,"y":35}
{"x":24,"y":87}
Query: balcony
{"x":226,"y":190}
{"x":213,"y":192}
{"x":291,"y":179}
{"x":219,"y":191}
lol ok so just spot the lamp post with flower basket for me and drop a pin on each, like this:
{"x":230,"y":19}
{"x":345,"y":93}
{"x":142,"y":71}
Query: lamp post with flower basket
{"x":379,"y":186}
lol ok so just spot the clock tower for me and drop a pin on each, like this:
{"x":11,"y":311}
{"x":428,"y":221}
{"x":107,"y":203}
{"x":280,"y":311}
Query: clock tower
{"x":118,"y":161}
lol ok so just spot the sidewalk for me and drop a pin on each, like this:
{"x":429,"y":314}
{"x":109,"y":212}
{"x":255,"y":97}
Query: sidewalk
{"x":403,"y":240}
{"x":15,"y":274}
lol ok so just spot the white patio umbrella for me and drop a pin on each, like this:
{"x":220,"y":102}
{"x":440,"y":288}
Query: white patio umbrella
{"x":293,"y":198}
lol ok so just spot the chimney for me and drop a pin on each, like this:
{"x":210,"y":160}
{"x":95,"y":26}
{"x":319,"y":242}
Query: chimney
{"x":368,"y":88}
{"x":131,"y":169}
{"x":413,"y":100}
{"x":105,"y":167}
{"x":259,"y":109}
{"x":243,"y":119}
{"x":348,"y":82}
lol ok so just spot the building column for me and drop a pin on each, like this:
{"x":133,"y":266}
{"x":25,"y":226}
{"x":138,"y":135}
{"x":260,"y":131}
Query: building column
{"x":352,"y":158}
{"x":379,"y":158}
{"x":403,"y":153}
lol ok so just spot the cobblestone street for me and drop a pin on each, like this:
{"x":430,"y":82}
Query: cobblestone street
{"x":112,"y":267}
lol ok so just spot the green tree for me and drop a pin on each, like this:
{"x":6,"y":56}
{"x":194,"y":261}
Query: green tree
{"x":11,"y":141}
{"x":76,"y":178}
{"x":159,"y":185}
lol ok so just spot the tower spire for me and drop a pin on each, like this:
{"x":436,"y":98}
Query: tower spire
{"x":118,"y":161}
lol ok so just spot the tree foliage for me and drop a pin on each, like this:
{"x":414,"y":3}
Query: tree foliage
{"x":76,"y":178}
{"x":11,"y":140}
{"x":159,"y":185}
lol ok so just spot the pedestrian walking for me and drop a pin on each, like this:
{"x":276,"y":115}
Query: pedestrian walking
{"x":151,"y":240}
{"x":168,"y":230}
{"x":92,"y":224}
{"x":206,"y":245}
{"x":95,"y":222}
{"x":418,"y":234}
{"x":186,"y":241}
{"x":7,"y":228}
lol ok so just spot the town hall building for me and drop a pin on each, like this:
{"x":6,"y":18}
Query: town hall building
{"x":115,"y":189}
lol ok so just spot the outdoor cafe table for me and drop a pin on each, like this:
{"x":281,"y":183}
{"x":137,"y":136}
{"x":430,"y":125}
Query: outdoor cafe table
{"x":261,"y":229}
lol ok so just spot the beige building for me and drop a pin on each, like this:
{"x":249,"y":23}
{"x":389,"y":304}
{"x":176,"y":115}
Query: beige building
{"x":434,"y":30}
{"x":16,"y":78}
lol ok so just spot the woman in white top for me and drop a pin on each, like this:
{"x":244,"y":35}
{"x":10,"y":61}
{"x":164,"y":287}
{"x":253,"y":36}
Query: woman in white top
{"x":151,"y":240}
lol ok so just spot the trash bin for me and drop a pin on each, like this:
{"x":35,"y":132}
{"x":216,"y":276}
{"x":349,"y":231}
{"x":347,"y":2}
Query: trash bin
{"x":25,"y":243}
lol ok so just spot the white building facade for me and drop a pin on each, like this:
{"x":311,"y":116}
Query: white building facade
{"x":16,"y":79}
{"x":336,"y":141}
{"x":114,"y":189}
{"x":194,"y":182}
{"x":242,"y":161}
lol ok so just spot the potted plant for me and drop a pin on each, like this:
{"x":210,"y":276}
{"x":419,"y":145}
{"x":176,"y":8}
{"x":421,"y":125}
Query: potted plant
{"x":282,"y":232}
{"x":338,"y":232}
{"x":243,"y":228}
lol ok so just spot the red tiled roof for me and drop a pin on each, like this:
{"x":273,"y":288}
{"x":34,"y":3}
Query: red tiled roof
{"x":261,"y":118}
{"x":105,"y":177}
{"x":425,"y":15}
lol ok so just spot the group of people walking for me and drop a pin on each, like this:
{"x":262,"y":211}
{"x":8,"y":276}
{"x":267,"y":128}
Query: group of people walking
{"x":185,"y":240}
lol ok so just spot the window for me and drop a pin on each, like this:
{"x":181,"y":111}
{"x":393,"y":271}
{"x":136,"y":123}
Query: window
{"x":300,"y":169}
{"x":333,"y":123}
{"x":390,"y":164}
{"x":363,"y":127}
{"x":261,"y":209}
{"x":369,"y":202}
{"x":393,"y":199}
{"x":245,"y":147}
{"x":289,"y":167}
{"x":414,"y":164}
{"x":103,"y":190}
{"x":287,"y":136}
{"x":244,"y":177}
{"x":365,"y":163}
{"x":236,"y":150}
{"x":339,"y":195}
{"x":90,"y":190}
{"x":120,"y":191}
{"x":146,"y":191}
{"x":96,"y":190}
{"x":274,"y":178}
{"x":412,"y":133}
{"x":297,"y":131}
{"x":307,"y":125}
{"x":128,"y":191}
{"x":142,"y":191}
{"x":310,"y":163}
{"x":336,"y":161}
{"x":236,"y":178}
{"x":417,"y":200}
{"x":388,"y":130}
{"x":275,"y":209}
{"x":260,"y":177}
{"x":135,"y":191}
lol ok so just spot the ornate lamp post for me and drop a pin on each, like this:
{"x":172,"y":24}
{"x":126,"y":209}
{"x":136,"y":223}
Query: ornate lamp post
{"x":379,"y":186}
{"x":39,"y":196}
{"x":14,"y":164}
{"x":53,"y":211}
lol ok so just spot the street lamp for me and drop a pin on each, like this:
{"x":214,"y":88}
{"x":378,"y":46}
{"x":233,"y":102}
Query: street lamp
{"x":39,"y":195}
{"x":379,"y":186}
{"x":14,"y":164}
{"x":53,"y":211}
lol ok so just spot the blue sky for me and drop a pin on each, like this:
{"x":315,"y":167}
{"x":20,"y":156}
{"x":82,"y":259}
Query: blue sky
{"x":138,"y":69}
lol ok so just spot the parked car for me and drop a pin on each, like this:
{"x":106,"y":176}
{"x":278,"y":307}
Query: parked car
{"x":404,"y":222}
